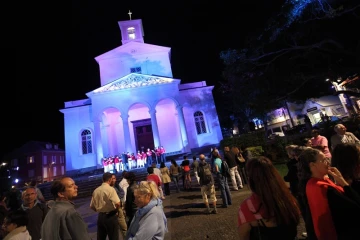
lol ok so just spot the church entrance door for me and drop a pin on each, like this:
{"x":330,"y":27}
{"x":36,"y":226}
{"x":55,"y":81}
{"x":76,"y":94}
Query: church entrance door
{"x":144,"y":138}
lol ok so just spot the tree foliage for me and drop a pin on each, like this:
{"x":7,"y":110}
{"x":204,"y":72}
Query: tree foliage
{"x":291,"y":58}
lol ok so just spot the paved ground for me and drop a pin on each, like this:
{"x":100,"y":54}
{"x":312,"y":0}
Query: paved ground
{"x":186,"y":219}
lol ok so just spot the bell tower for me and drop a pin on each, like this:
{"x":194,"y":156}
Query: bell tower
{"x":131,"y":30}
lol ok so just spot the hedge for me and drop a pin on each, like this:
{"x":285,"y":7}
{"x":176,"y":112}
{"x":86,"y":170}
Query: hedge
{"x":259,"y":145}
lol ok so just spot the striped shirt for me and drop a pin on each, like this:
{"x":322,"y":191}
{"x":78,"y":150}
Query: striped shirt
{"x":249,"y":210}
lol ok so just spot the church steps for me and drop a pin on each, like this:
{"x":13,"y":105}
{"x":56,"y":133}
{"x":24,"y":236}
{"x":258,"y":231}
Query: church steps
{"x":87,"y":184}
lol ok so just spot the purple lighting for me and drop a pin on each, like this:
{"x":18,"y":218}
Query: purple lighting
{"x":138,"y":105}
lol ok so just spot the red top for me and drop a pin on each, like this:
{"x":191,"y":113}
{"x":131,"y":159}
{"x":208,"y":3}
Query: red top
{"x":116,"y":160}
{"x":155,"y":178}
{"x":249,"y":210}
{"x":149,"y":153}
{"x":322,"y":141}
{"x":316,"y":190}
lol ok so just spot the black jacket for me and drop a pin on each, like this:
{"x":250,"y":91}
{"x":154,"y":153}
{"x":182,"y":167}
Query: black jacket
{"x":229,"y":157}
{"x":292,"y":176}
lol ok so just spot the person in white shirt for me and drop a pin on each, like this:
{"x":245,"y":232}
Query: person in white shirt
{"x":123,"y":185}
{"x":342,"y":136}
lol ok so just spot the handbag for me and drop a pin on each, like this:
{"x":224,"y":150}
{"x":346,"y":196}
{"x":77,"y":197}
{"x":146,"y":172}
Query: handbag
{"x":261,"y":232}
{"x":255,"y":233}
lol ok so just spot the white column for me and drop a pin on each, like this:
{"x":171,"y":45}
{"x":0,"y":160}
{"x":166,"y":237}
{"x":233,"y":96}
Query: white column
{"x":343,"y":103}
{"x":182,"y":125}
{"x":127,"y":140}
{"x":154,"y":127}
{"x":105,"y":139}
{"x":98,"y":143}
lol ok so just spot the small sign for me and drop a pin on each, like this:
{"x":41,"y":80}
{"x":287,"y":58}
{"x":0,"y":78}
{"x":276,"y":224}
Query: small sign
{"x":311,"y":109}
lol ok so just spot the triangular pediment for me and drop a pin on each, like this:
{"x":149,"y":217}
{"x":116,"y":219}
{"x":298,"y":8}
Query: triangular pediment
{"x":132,"y":49}
{"x":133,"y":80}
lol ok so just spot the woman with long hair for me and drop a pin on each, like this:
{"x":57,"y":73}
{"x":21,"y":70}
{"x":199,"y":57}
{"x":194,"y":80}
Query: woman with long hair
{"x":271,"y":212}
{"x":175,"y":171}
{"x":333,"y":209}
{"x":165,"y":177}
{"x":241,"y":162}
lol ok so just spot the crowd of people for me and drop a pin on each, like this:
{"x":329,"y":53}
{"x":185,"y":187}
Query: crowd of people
{"x":324,"y":190}
{"x":127,"y":210}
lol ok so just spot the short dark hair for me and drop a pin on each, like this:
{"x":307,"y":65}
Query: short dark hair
{"x":33,"y":183}
{"x":131,"y":177}
{"x":106,"y":176}
{"x":315,"y":130}
{"x":124,"y":174}
{"x":57,"y":187}
{"x":18,"y":217}
{"x":150,"y":170}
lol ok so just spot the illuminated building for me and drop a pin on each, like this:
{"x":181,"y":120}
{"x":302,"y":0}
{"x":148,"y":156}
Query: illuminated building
{"x":138,"y":105}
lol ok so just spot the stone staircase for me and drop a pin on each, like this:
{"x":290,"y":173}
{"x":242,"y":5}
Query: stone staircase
{"x":88,"y":182}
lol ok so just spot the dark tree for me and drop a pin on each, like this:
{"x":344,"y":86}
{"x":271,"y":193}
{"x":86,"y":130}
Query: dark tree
{"x":308,"y":42}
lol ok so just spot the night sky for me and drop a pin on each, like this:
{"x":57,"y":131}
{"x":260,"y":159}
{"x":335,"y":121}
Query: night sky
{"x":48,"y":52}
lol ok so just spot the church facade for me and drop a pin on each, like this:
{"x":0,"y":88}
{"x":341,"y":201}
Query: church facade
{"x":139,"y":105}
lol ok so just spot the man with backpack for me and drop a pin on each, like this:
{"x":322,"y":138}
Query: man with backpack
{"x":207,"y":184}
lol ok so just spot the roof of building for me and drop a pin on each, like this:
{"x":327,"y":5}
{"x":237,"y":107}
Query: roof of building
{"x":327,"y":100}
{"x":133,"y":80}
{"x":31,"y":147}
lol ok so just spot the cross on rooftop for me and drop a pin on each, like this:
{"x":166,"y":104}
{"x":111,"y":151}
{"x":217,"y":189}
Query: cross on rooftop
{"x":130,"y":14}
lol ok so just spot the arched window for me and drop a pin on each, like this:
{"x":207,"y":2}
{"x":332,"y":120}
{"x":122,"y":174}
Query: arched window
{"x":86,"y":141}
{"x":199,"y":122}
{"x":131,"y":33}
